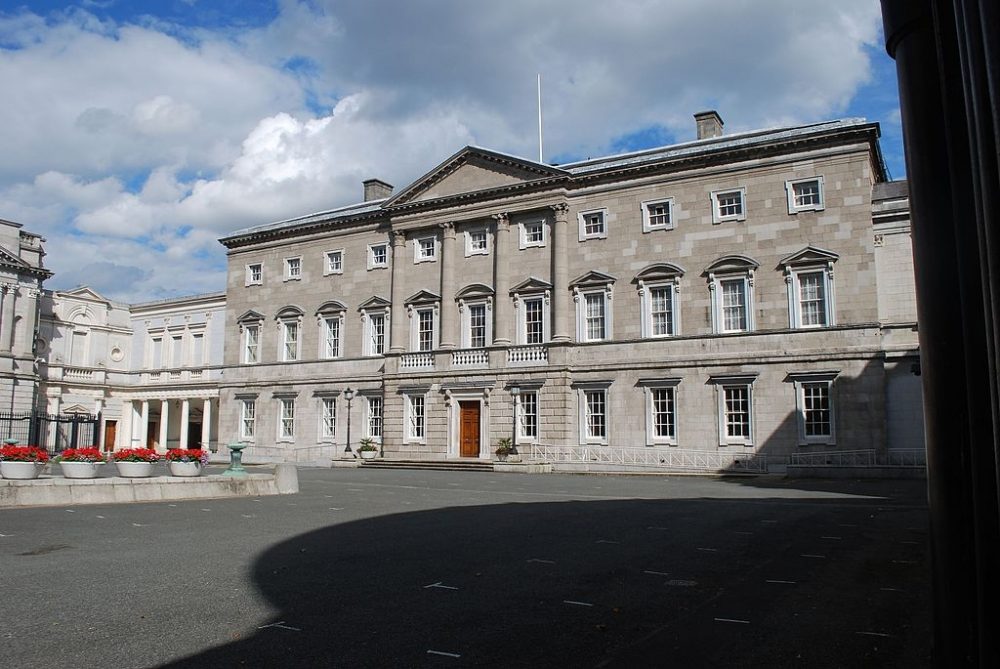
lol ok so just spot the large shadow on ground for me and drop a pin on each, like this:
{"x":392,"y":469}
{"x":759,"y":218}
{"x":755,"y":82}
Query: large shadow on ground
{"x":627,"y":583}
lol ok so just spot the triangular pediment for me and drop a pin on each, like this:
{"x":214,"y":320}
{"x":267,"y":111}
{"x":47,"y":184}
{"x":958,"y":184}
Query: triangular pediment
{"x":250,"y":316}
{"x":76,"y":409}
{"x":84,"y":293}
{"x":9,"y":258}
{"x":592,"y":278}
{"x":422,"y":297}
{"x":810,"y":255}
{"x":375,"y":302}
{"x":531,"y":285}
{"x":474,"y":169}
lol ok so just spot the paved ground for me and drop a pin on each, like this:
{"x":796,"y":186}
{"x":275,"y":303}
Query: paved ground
{"x":440,"y":569}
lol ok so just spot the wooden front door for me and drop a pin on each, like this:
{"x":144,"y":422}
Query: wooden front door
{"x":469,"y":429}
{"x":110,"y":430}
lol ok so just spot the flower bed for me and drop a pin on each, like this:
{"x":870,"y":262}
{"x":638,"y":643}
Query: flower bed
{"x":80,"y":455}
{"x":187,"y":455}
{"x":136,"y":455}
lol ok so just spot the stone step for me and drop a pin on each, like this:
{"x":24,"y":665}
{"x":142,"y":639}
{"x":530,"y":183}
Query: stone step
{"x":438,"y":465}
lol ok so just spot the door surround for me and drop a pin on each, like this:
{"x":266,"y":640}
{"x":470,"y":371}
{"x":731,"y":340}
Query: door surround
{"x":453,"y":400}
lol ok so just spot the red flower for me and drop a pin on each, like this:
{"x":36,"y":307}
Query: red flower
{"x":23,"y":454}
{"x":187,"y":455}
{"x":136,"y":455}
{"x":81,"y":455}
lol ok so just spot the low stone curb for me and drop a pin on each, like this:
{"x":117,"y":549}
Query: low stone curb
{"x":58,"y":491}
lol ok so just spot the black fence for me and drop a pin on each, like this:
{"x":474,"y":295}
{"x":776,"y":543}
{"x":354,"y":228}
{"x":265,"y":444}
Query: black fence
{"x":55,"y":433}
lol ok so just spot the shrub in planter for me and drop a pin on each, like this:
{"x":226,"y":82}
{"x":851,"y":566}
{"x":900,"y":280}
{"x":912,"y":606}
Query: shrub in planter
{"x":368,"y":448}
{"x":503,"y":448}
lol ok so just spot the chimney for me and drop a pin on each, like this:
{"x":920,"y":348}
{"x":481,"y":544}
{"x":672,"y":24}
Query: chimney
{"x":709,"y":124}
{"x":376,"y":189}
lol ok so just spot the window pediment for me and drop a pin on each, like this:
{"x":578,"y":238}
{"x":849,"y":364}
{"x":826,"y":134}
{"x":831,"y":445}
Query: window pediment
{"x":250,"y":316}
{"x":592,"y":278}
{"x":289,"y":312}
{"x":810,"y":255}
{"x":331,"y":307}
{"x":732,"y":263}
{"x":659,"y":272}
{"x":531,"y":285}
{"x":375,"y":302}
{"x":422,"y":297}
{"x":474,"y":291}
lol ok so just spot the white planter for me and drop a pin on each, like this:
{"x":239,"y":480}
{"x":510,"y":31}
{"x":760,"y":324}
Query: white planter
{"x":184,"y":468}
{"x":369,"y":455}
{"x":79,"y":470}
{"x":20,"y":470}
{"x":135,"y":470}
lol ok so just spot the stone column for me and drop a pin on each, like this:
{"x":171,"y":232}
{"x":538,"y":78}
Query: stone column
{"x":25,"y":339}
{"x":7,"y":315}
{"x":185,"y":415}
{"x":449,"y":309}
{"x":206,"y":424}
{"x":164,"y":421}
{"x":560,"y":278}
{"x":144,"y":426}
{"x":397,"y":318}
{"x":503,"y":313}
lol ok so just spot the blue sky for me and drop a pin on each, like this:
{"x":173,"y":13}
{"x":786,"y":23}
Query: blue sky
{"x":138,"y":133}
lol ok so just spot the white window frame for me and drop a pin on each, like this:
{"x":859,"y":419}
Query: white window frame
{"x":293,"y":268}
{"x":415,"y":432}
{"x":286,"y":325}
{"x":325,"y":321}
{"x":421,"y":253}
{"x":328,"y":262}
{"x":583,"y":391}
{"x":582,"y":222}
{"x":790,"y":187}
{"x":257,"y":330}
{"x":793,"y":282}
{"x":717,"y":216}
{"x":646,"y":315}
{"x":249,"y":279}
{"x":522,"y":436}
{"x":465,"y":308}
{"x":521,"y":308}
{"x":195,"y":359}
{"x":650,"y":388}
{"x":371,"y":419}
{"x":286,"y":419}
{"x":414,"y":311}
{"x":371,"y":256}
{"x":718,"y":300}
{"x":369,"y":316}
{"x":580,"y":297}
{"x":327,"y":418}
{"x":802,"y":381}
{"x":156,"y":360}
{"x":470,"y":250}
{"x":177,"y":346}
{"x":723,"y":384}
{"x":522,"y":233}
{"x":647,"y":223}
{"x":248,"y":419}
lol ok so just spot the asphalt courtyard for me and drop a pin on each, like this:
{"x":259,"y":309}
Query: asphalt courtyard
{"x":381,"y":568}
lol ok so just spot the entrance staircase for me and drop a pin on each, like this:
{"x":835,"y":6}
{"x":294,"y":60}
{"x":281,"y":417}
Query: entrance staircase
{"x":469,"y":465}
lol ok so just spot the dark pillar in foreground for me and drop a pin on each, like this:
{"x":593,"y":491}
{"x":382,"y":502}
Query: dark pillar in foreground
{"x":947,"y":56}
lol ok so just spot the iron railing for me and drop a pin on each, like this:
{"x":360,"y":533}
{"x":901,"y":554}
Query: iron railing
{"x":53,"y":432}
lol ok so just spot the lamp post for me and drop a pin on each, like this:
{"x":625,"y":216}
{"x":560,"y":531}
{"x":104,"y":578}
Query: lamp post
{"x":349,"y":395}
{"x":515,"y":390}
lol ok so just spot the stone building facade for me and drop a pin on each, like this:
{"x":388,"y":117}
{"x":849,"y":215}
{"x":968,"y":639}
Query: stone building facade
{"x":748,"y":293}
{"x":150,"y":371}
{"x":22,"y":274}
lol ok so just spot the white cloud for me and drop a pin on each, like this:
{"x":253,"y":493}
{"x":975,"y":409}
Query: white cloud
{"x":134,"y":147}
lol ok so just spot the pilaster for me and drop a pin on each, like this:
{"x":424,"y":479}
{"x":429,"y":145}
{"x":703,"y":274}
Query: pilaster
{"x":504,"y":308}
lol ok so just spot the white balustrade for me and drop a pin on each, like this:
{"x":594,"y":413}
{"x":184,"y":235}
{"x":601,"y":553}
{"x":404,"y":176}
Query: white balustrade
{"x":522,"y":356}
{"x":470,"y":357}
